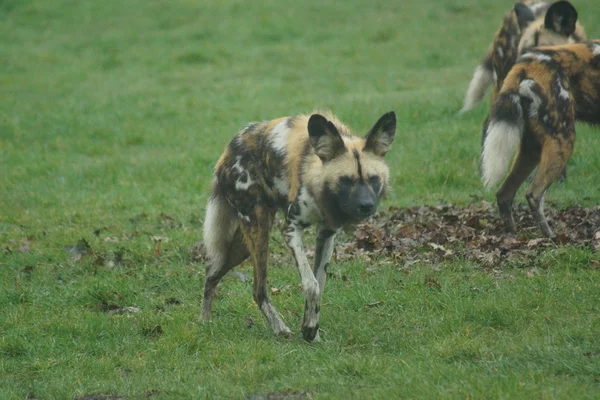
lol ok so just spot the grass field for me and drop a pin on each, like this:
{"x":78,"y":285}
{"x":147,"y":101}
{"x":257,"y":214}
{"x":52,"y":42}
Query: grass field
{"x":112,"y":115}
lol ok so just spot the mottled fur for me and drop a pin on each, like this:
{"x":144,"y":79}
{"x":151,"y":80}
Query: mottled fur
{"x":317,"y":172}
{"x":543,"y":95}
{"x":528,"y":24}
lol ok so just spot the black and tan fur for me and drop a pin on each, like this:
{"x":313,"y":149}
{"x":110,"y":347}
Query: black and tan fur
{"x":317,"y":172}
{"x":543,"y":95}
{"x":529,"y":23}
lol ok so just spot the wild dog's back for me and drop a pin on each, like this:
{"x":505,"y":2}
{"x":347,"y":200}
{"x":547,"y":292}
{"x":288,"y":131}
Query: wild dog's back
{"x":551,"y":76}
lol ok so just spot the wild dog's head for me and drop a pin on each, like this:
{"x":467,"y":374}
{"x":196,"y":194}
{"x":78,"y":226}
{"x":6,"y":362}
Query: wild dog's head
{"x":354,"y":174}
{"x":557,"y":26}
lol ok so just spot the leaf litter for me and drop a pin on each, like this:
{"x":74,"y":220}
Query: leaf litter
{"x":429,"y":234}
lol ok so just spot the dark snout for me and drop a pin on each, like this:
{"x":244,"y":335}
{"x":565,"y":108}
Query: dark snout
{"x":365,"y":201}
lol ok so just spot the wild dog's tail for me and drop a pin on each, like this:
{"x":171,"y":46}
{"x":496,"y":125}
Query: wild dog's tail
{"x":482,"y":79}
{"x":504,"y":132}
{"x":220,"y":224}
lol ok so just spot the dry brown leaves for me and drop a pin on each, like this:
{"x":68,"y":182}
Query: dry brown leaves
{"x":432,"y":233}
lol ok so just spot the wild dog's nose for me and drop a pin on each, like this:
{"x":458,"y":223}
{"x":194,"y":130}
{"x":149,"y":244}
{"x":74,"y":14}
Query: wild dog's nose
{"x":366,"y":207}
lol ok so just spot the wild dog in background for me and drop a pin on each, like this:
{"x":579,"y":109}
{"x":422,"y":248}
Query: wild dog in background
{"x":313,"y":168}
{"x":543,"y":95}
{"x":529,"y":23}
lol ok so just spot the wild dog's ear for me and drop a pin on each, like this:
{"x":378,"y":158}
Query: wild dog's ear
{"x":380,"y":137}
{"x":561,"y":18}
{"x":325,"y":138}
{"x":524,"y":15}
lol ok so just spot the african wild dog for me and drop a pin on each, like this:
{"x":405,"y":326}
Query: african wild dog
{"x":543,"y":95}
{"x":529,"y":23}
{"x":313,"y":168}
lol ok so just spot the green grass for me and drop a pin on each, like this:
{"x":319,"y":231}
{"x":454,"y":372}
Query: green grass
{"x":112,"y":115}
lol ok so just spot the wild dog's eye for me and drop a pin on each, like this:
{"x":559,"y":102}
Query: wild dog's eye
{"x":374,"y":180}
{"x":346,"y":181}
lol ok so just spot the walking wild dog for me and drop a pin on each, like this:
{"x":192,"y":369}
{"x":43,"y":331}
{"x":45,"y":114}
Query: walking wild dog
{"x":543,"y":95}
{"x":530,"y":23}
{"x":314,"y":169}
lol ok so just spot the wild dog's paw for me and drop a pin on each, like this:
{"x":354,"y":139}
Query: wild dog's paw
{"x":309,"y":333}
{"x":285,"y":333}
{"x":204,"y":317}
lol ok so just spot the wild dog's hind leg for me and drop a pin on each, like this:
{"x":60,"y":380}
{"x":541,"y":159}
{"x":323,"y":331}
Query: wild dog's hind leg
{"x":553,"y":159}
{"x":256,"y":235}
{"x":323,"y":252}
{"x":215,"y":272}
{"x":310,"y":323}
{"x":224,"y":245}
{"x":524,"y":163}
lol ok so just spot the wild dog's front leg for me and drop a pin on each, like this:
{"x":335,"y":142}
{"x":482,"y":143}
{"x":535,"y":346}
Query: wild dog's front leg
{"x":323,"y":252}
{"x":310,"y":324}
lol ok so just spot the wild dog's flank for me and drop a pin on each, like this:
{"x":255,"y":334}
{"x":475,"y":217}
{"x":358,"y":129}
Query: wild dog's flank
{"x":314,"y":169}
{"x":530,"y":23}
{"x":542,"y":97}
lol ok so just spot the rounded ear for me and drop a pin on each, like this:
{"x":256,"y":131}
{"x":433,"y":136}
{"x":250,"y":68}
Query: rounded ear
{"x":561,"y":18}
{"x":324,"y":138}
{"x":524,"y":15}
{"x":380,"y":137}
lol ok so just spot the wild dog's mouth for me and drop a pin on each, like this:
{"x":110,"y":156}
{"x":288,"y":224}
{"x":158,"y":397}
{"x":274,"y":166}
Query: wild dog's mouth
{"x":360,"y":211}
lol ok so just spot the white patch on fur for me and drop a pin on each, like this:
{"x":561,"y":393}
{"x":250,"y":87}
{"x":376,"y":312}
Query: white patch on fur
{"x":279,"y":137}
{"x":525,"y":89}
{"x":243,"y":217}
{"x":495,"y":77}
{"x":500,"y":52}
{"x":563,"y":92}
{"x":596,"y":50}
{"x":239,"y":185}
{"x":536,"y":6}
{"x":500,"y":143}
{"x":309,"y":282}
{"x":482,"y":79}
{"x":535,"y":56}
{"x":238,"y":165}
{"x":281,"y":184}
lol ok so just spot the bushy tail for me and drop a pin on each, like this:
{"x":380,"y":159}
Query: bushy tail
{"x":220,"y":224}
{"x":503,"y":135}
{"x":482,"y":79}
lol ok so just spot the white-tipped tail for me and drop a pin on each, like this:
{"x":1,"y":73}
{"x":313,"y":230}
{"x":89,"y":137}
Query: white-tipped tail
{"x":482,"y":79}
{"x":500,"y":143}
